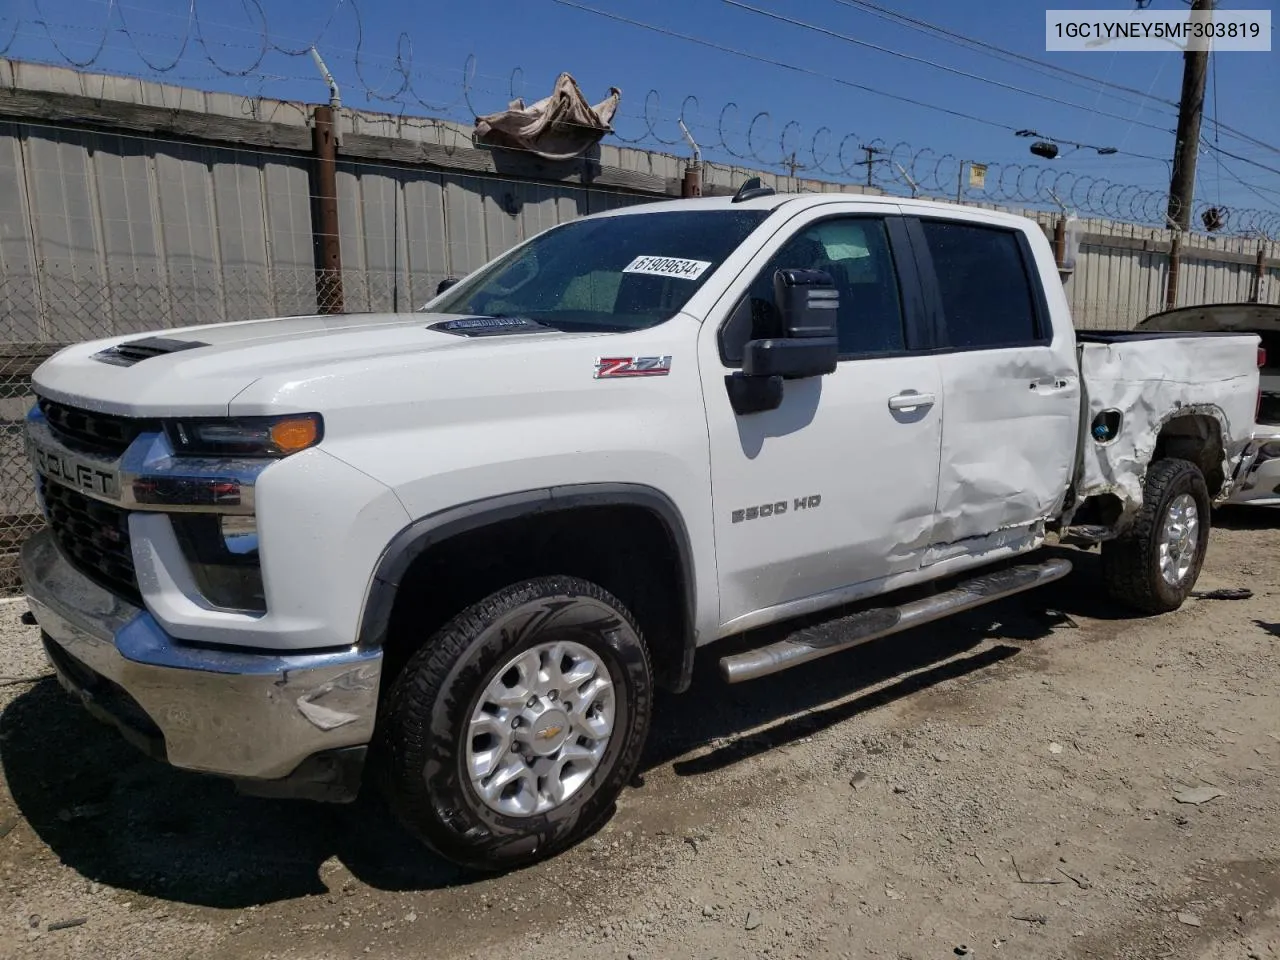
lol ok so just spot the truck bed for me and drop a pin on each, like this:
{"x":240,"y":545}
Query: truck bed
{"x":1151,"y":378}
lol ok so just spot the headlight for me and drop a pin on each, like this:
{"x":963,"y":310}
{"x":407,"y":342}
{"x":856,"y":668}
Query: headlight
{"x":223,"y":555}
{"x":246,"y":436}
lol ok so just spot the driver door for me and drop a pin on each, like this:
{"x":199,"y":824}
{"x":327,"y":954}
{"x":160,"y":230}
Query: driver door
{"x":837,"y":486}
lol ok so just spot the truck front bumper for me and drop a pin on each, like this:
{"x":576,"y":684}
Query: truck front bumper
{"x":295,"y":725}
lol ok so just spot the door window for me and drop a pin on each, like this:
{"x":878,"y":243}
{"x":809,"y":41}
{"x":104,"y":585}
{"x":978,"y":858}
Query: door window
{"x":855,"y":251}
{"x":987,"y":298}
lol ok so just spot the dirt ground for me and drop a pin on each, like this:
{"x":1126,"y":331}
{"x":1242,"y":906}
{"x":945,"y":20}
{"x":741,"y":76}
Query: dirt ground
{"x":1002,"y":784}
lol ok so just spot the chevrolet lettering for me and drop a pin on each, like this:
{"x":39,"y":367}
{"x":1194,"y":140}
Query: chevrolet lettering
{"x":74,"y":471}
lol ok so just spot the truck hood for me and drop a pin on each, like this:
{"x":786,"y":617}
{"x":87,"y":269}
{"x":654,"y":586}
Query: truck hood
{"x":199,"y":370}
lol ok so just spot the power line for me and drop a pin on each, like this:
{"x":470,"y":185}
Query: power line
{"x":1255,"y":189}
{"x":778,"y":63}
{"x":1235,"y":156}
{"x":1043,"y":67}
{"x":782,"y":18}
{"x":995,"y":50}
{"x":668,"y":32}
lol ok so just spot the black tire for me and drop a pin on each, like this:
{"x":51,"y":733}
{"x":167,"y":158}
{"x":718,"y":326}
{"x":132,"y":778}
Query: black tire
{"x":1131,"y":564}
{"x":423,"y":731}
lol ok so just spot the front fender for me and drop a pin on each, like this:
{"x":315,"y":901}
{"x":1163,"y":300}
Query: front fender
{"x":423,"y":534}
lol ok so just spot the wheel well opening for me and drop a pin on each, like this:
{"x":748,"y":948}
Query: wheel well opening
{"x":627,"y":550}
{"x":1198,"y":438}
{"x":1102,"y":509}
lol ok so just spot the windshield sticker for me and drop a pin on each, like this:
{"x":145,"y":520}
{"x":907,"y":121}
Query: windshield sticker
{"x":668,"y":267}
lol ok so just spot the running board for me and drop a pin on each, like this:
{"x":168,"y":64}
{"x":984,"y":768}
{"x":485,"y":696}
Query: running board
{"x":818,"y":640}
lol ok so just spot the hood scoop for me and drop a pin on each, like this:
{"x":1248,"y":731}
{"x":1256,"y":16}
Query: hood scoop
{"x":135,"y":351}
{"x":489,"y":326}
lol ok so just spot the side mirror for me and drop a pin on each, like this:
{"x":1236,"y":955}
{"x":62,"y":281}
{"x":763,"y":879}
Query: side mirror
{"x":445,"y":284}
{"x":808,"y":301}
{"x":808,"y":304}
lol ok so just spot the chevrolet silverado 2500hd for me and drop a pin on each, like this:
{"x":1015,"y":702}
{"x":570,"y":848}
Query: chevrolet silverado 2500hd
{"x":462,"y":547}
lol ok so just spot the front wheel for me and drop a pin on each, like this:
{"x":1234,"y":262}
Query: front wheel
{"x":1155,"y":565}
{"x":509,"y":735}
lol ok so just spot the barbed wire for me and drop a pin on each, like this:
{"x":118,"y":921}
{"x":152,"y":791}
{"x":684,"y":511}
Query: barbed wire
{"x":785,"y":146}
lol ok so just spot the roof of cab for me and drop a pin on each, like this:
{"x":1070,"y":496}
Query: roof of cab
{"x":802,"y":201}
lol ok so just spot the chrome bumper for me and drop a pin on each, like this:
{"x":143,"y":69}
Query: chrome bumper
{"x":248,"y":716}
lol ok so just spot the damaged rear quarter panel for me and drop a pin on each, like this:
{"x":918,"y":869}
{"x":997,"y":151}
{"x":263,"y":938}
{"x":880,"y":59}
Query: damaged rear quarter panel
{"x":1152,"y":382}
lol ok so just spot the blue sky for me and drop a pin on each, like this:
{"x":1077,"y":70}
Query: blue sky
{"x":541,"y":38}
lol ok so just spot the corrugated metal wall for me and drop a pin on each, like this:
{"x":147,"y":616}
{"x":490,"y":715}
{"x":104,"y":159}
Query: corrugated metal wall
{"x":1114,"y":287}
{"x":103,"y":234}
{"x":405,"y":230}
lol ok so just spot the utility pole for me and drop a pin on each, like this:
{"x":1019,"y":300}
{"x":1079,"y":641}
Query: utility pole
{"x":1182,"y":182}
{"x":326,"y":230}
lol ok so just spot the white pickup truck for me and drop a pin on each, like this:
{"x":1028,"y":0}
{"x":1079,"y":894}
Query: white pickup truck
{"x":462,"y":547}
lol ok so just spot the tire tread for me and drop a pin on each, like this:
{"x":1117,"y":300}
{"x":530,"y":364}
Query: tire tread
{"x":406,"y":723}
{"x":1127,"y":561}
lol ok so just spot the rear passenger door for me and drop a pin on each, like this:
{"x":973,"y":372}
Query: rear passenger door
{"x":1012,"y":387}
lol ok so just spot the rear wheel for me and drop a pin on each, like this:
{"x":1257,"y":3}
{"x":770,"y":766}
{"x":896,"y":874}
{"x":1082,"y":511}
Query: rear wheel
{"x":1155,"y":565}
{"x":510,"y":734}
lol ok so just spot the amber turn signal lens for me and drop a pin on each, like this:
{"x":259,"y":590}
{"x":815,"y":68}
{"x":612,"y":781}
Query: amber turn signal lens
{"x":290,"y":436}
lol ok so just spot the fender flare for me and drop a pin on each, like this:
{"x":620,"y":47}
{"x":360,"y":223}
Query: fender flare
{"x":423,"y":534}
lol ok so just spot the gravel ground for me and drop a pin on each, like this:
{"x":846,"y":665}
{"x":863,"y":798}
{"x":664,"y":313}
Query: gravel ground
{"x":1002,"y":784}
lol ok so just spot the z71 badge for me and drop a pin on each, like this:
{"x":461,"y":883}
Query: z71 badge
{"x":609,"y":368}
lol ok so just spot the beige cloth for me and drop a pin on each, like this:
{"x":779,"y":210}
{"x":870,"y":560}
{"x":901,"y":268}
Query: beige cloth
{"x":559,"y":127}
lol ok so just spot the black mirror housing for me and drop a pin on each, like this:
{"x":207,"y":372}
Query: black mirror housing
{"x":445,"y":284}
{"x":808,"y":302}
{"x":791,"y":359}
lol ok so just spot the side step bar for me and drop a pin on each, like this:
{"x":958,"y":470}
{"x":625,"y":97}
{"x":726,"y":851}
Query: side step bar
{"x":818,"y":640}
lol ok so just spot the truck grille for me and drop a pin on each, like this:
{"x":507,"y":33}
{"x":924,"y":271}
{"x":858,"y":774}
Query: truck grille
{"x":94,"y":537}
{"x":101,"y":432}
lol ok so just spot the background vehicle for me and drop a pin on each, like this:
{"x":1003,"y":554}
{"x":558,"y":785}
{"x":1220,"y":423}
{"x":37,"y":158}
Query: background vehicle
{"x":470,"y":542}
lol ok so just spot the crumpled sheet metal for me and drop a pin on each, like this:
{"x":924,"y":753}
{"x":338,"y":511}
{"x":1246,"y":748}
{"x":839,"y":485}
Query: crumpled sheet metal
{"x":1152,"y":382}
{"x":1006,"y":455}
{"x":559,"y":127}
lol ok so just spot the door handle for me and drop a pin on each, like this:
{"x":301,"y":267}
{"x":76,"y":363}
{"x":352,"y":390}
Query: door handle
{"x":1048,"y":385}
{"x":910,"y":400}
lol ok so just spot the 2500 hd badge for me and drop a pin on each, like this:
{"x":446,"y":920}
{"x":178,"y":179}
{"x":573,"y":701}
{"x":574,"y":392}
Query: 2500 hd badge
{"x":776,"y":509}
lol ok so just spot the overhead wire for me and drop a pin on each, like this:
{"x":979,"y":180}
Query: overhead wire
{"x":1043,"y":67}
{"x":928,"y":27}
{"x":711,"y":44}
{"x":837,"y":35}
{"x":1008,"y":181}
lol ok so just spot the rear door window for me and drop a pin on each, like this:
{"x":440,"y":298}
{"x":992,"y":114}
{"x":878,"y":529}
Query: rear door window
{"x":987,"y":297}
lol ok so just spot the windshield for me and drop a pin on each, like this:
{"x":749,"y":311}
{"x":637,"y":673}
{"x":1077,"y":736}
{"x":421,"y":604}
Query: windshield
{"x":625,"y":272}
